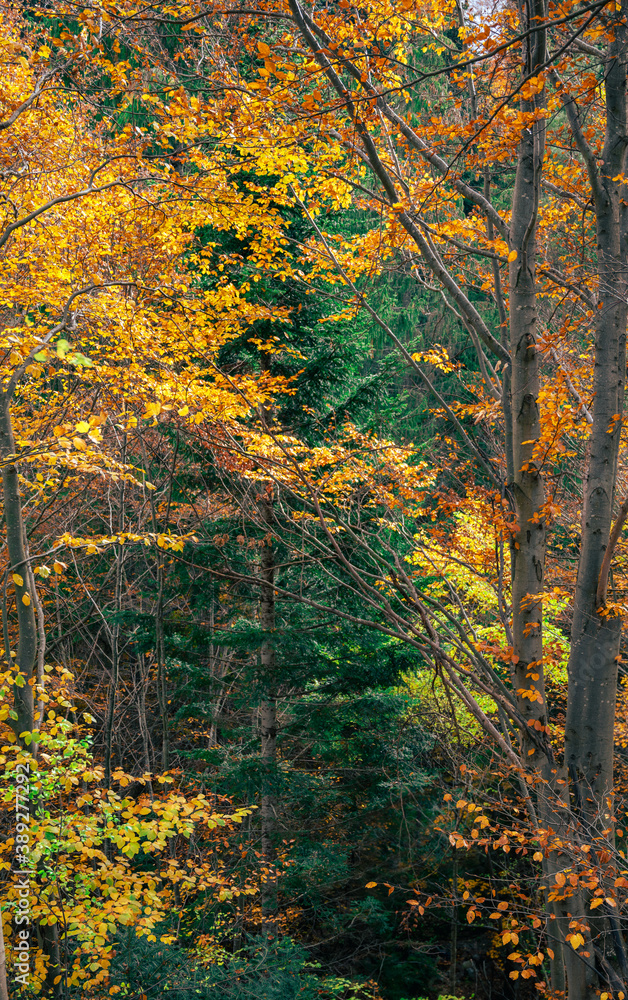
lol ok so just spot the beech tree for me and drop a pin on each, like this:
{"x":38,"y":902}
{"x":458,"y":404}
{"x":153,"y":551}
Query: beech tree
{"x":485,"y":154}
{"x":347,"y":84}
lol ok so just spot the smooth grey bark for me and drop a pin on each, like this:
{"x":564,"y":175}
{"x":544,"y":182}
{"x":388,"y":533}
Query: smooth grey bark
{"x":596,"y":629}
{"x":527,"y":489}
{"x":595,"y":635}
{"x":26,"y":654}
{"x":528,"y":545}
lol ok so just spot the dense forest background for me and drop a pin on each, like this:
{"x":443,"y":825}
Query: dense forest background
{"x":308,"y":372}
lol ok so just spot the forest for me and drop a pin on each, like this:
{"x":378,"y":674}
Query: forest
{"x":314,"y":499}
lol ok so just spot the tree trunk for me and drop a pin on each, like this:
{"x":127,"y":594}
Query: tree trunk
{"x":528,"y":544}
{"x":23,"y":690}
{"x":596,"y":629}
{"x":595,"y":635}
{"x":50,"y":946}
{"x":268,"y":719}
{"x":4,"y":992}
{"x":160,"y":656}
{"x":114,"y":636}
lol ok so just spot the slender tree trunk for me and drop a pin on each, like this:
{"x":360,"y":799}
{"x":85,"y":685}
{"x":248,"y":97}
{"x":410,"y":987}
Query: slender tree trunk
{"x":453,"y":944}
{"x":114,"y":635}
{"x":4,"y":991}
{"x":28,"y":642}
{"x":528,"y":544}
{"x":142,"y":681}
{"x":50,"y":946}
{"x":268,"y":718}
{"x":23,"y":690}
{"x":160,"y":649}
{"x":527,"y":490}
{"x":160,"y":656}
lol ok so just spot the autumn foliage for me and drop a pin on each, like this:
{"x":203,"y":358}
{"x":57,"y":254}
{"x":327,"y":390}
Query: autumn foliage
{"x":312,"y":364}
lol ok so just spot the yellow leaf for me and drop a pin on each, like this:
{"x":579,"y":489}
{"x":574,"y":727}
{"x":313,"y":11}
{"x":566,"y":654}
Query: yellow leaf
{"x":512,"y":256}
{"x":58,"y":567}
{"x":82,"y":427}
{"x":18,"y":580}
{"x":371,"y":885}
{"x":26,"y":599}
{"x":263,"y":49}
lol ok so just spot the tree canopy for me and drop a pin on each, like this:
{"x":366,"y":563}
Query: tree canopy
{"x":312,"y":365}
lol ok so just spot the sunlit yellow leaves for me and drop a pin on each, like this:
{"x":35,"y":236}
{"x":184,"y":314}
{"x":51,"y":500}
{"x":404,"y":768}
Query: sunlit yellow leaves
{"x":437,"y":357}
